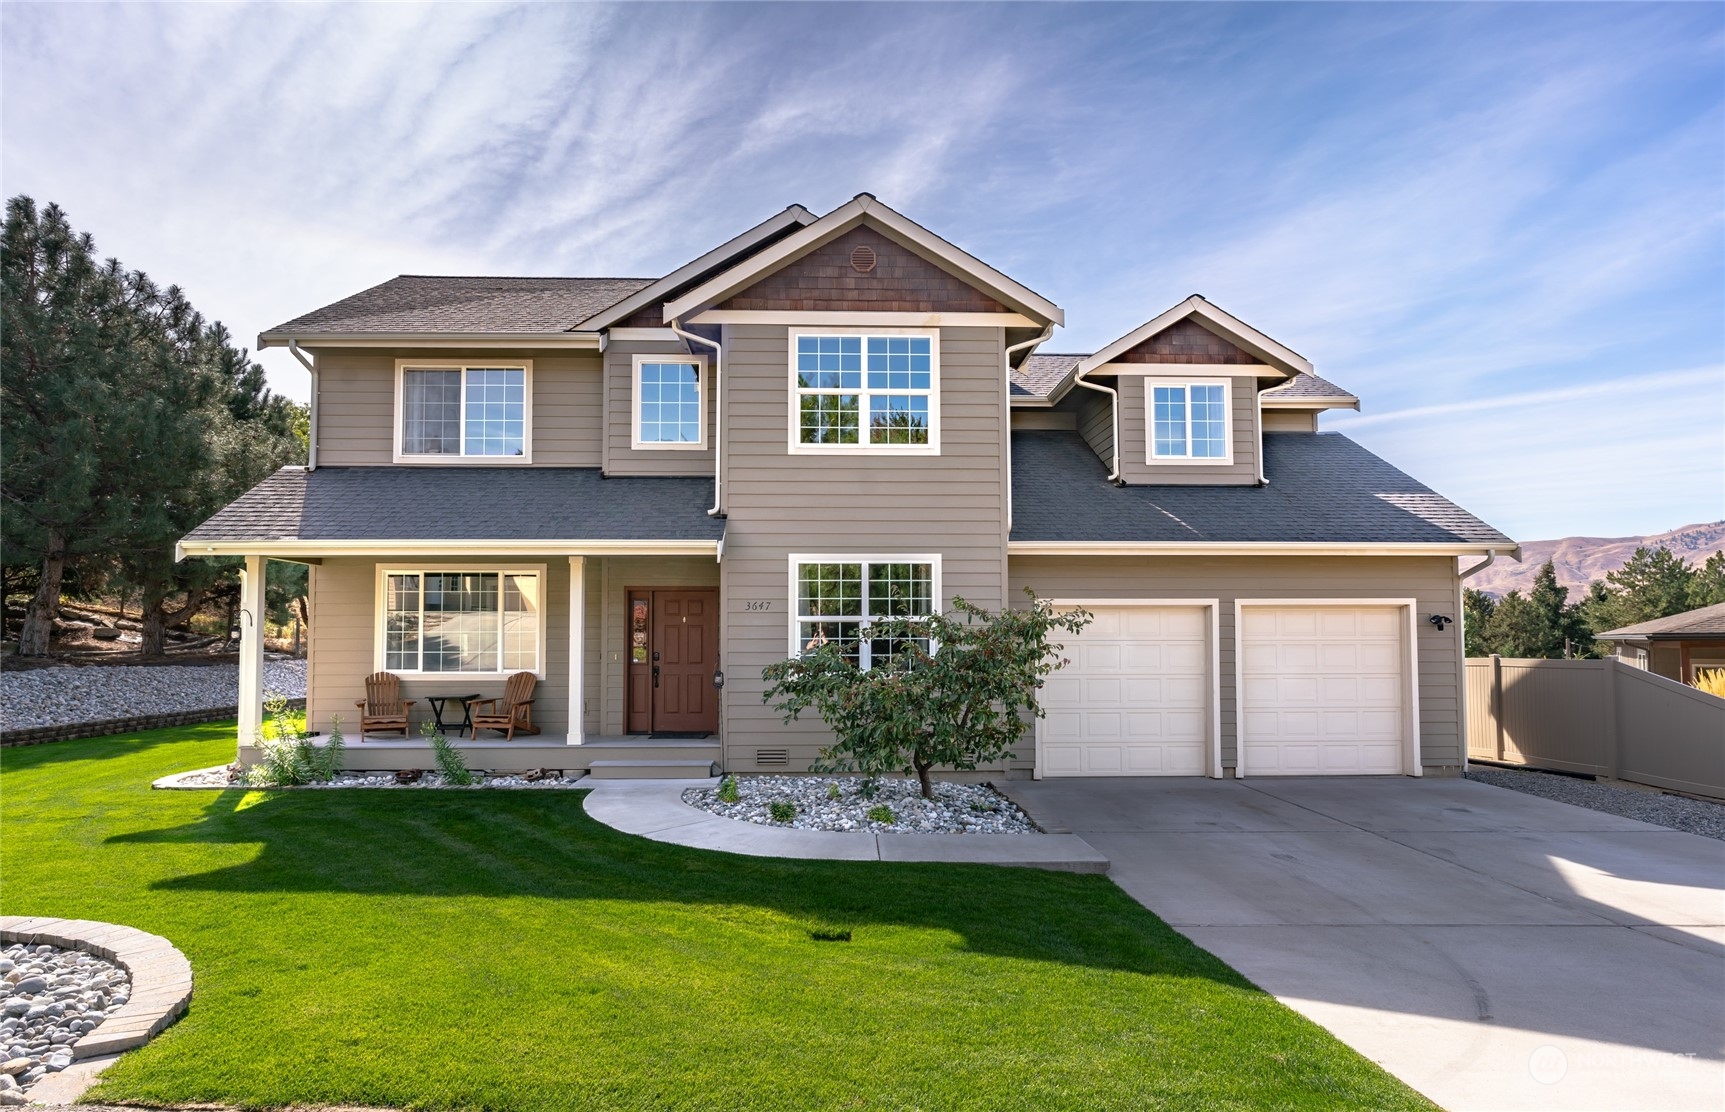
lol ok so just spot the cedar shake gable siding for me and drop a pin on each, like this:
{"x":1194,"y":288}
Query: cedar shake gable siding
{"x":900,"y":282}
{"x":1187,"y":341}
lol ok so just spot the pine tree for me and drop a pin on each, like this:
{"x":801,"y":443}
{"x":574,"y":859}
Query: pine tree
{"x":1707,"y":588}
{"x":1655,"y":583}
{"x":1477,"y":609}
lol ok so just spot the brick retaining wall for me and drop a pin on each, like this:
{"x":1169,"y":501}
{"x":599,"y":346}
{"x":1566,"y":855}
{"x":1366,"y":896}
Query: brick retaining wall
{"x":71,"y":731}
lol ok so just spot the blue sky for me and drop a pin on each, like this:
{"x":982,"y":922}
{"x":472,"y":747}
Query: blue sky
{"x":1501,"y":226}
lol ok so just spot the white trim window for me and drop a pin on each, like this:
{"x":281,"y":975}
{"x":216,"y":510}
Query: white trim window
{"x":454,"y":412}
{"x":865,"y":392}
{"x":469,"y":621}
{"x":670,"y":402}
{"x":838,"y":597}
{"x":1188,"y":422}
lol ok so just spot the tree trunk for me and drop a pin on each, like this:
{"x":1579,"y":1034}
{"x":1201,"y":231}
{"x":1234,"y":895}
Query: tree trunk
{"x":158,"y":619}
{"x":38,"y":632}
{"x":923,"y":779}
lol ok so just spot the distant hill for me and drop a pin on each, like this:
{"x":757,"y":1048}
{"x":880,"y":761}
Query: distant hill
{"x":1581,"y":560}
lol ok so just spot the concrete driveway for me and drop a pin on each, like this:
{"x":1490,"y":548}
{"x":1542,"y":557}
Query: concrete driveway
{"x":1492,"y":949}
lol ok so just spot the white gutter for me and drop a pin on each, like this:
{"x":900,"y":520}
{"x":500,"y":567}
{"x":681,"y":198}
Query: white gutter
{"x":1114,"y":409}
{"x":718,"y":413}
{"x":1245,"y":548}
{"x":1033,"y":343}
{"x":311,"y":433}
{"x":588,"y":341}
{"x":1490,"y":557}
{"x":290,"y":548}
{"x":1258,"y":396}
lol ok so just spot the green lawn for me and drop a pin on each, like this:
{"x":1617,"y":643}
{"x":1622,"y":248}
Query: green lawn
{"x":500,"y":950}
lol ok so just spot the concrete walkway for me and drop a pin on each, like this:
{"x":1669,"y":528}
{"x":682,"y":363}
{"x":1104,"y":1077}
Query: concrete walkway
{"x":655,"y":809}
{"x":1492,"y":949}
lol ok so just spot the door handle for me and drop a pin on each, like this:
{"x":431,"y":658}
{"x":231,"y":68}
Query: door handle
{"x":655,"y":675}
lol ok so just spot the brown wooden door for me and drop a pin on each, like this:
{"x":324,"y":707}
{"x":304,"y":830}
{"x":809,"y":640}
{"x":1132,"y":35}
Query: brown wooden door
{"x":682,"y":651}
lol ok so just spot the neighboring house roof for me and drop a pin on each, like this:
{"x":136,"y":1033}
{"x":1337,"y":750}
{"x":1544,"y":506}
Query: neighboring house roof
{"x":431,"y":303}
{"x":1307,"y":389}
{"x":1707,"y":623}
{"x":1323,"y":488}
{"x":1041,"y":374}
{"x":462,"y":503}
{"x":1219,"y":321}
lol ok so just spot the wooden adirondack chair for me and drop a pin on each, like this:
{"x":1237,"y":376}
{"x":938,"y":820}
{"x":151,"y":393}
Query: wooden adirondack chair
{"x":512,"y":714}
{"x":382,"y":708}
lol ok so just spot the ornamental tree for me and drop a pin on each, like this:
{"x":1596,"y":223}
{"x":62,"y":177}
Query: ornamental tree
{"x":955,"y":689}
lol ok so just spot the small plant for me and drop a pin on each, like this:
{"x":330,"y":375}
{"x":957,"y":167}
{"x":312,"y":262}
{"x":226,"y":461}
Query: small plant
{"x":1710,"y":681}
{"x":882,"y":814}
{"x":869,"y":788}
{"x":832,"y":791}
{"x":289,"y":757}
{"x":728,"y":792}
{"x":782,"y":810}
{"x":449,"y":762}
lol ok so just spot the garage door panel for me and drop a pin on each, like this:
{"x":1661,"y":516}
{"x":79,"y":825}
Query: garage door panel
{"x":1136,"y":696}
{"x":1322,"y":689}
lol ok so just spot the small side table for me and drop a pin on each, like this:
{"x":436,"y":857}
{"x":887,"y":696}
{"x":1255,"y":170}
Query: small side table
{"x":437,"y":702}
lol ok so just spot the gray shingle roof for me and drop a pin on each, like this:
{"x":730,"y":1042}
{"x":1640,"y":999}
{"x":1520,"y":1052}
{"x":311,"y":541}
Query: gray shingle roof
{"x":1322,"y":487}
{"x":427,"y":303}
{"x":1304,"y":385}
{"x":1708,"y":622}
{"x":464,"y":503}
{"x":1038,"y":375}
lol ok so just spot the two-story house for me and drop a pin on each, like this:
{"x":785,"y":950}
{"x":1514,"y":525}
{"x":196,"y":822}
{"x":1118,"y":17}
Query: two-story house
{"x":635,"y":487}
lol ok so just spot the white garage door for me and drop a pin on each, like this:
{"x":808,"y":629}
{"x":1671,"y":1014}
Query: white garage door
{"x":1322,"y":690}
{"x":1135,"y":699}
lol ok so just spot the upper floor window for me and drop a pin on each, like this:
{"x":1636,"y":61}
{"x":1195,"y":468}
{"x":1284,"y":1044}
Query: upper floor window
{"x":463,"y":411}
{"x":839,"y":597}
{"x":1189,"y":422}
{"x":861,"y":393}
{"x":669,"y":402}
{"x":461,"y":620}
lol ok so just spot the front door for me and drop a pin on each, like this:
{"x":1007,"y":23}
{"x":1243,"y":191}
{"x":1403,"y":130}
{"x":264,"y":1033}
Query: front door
{"x":671,"y":682}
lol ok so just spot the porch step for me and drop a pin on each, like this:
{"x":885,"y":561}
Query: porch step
{"x":637,"y":769}
{"x":644,"y":750}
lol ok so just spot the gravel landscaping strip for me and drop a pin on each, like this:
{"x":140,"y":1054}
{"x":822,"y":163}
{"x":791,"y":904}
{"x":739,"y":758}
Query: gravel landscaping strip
{"x":1693,"y":816}
{"x":49,"y":999}
{"x":62,"y":696}
{"x":956,"y":808}
{"x":224,"y":776}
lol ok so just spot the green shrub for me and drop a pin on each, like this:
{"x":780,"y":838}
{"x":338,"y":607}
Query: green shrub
{"x":782,"y":810}
{"x":289,"y":757}
{"x":883,"y":813}
{"x":449,"y":762}
{"x":728,"y":790}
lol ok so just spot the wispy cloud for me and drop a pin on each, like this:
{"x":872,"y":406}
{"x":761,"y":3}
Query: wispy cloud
{"x":1433,"y":202}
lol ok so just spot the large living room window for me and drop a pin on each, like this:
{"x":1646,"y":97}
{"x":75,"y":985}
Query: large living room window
{"x":856,"y":392}
{"x":467,"y":621}
{"x":450,"y":412}
{"x":1188,"y":422}
{"x":669,"y":409}
{"x":838,"y":597}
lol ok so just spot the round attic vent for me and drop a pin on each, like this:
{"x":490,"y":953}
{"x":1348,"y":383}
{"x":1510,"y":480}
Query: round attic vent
{"x":862,"y":259}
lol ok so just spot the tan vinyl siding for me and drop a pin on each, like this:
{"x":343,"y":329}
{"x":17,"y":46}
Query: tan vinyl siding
{"x":777,"y":503}
{"x":1095,"y":421}
{"x":356,"y":405}
{"x":1133,"y":420}
{"x":621,"y":457}
{"x":343,"y":646}
{"x":1430,"y":580}
{"x":1290,"y":420}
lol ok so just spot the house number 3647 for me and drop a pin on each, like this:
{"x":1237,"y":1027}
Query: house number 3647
{"x":757,"y":605}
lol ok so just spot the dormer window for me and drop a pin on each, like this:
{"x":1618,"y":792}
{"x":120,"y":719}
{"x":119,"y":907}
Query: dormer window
{"x":451,"y":412}
{"x":1189,"y":422}
{"x":670,"y":411}
{"x":865,"y":392}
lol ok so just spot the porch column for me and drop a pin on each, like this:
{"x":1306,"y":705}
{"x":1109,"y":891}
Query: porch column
{"x":577,"y":647}
{"x":251,"y":648}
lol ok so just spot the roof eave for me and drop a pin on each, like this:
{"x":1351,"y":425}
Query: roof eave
{"x":313,"y":339}
{"x":1256,"y":548}
{"x":1348,"y":402}
{"x":289,"y":547}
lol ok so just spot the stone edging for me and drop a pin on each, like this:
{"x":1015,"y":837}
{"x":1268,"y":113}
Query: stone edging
{"x":161,"y":976}
{"x":655,"y":809}
{"x":36,"y":735}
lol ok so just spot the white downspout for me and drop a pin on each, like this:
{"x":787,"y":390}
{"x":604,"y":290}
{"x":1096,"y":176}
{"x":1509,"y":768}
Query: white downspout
{"x":1258,"y":399}
{"x":1114,"y":410}
{"x":1033,"y":343}
{"x":311,"y":435}
{"x":1490,"y":557}
{"x":718,"y":413}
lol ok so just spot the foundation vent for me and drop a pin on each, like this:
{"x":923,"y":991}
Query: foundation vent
{"x":772,"y":758}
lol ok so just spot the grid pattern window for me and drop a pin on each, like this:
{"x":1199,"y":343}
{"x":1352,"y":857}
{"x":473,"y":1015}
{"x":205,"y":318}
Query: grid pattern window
{"x":446,"y":621}
{"x":864,"y":391}
{"x":464,"y":411}
{"x":669,"y":398}
{"x":837,"y":602}
{"x":1189,"y":421}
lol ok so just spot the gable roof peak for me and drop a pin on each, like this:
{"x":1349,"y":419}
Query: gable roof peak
{"x":1215,"y":319}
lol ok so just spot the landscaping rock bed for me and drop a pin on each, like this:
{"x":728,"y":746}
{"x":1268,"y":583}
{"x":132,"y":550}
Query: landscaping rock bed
{"x":956,"y":808}
{"x":49,"y":999}
{"x":224,"y":776}
{"x":62,"y":696}
{"x":1693,"y":816}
